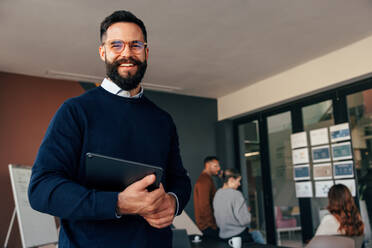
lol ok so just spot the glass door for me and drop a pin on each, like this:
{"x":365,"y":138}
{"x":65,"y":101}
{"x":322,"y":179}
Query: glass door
{"x":316,"y":116}
{"x":286,"y":207}
{"x":249,"y":149}
{"x":360,"y":120}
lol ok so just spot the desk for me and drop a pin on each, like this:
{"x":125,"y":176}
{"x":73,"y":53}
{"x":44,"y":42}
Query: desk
{"x":213,"y":243}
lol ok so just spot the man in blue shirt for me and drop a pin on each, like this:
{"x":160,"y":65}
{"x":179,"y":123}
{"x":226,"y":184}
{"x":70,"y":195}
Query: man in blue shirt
{"x":115,"y":119}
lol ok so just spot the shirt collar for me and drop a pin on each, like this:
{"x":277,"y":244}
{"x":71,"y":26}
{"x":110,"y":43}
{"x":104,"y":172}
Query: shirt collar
{"x":111,"y":87}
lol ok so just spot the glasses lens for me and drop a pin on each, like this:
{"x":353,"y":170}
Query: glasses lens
{"x":117,"y":46}
{"x":136,"y":46}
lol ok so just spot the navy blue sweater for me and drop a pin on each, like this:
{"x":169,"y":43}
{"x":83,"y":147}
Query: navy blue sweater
{"x":126,"y":128}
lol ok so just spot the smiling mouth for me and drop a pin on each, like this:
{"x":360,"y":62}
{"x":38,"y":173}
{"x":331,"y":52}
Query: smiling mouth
{"x":127,"y":65}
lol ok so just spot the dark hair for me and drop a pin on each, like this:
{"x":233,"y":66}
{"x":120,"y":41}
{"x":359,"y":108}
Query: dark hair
{"x":342,"y":206}
{"x":210,"y":158}
{"x":121,"y":16}
{"x":230,"y":173}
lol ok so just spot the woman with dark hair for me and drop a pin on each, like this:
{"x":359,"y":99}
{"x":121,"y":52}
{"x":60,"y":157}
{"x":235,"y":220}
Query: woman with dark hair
{"x":231,"y":211}
{"x":344,"y":217}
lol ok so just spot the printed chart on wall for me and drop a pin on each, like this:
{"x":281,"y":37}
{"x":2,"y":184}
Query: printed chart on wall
{"x":322,"y":188}
{"x":304,"y":189}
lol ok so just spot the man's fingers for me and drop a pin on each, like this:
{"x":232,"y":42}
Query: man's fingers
{"x":160,"y":223}
{"x":143,"y":183}
{"x":162,"y":211}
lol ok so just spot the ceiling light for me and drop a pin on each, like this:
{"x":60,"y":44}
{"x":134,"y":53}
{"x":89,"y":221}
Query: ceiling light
{"x":251,"y":154}
{"x":94,"y":79}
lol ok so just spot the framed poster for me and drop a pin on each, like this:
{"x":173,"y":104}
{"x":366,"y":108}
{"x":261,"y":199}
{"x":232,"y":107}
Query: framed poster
{"x":304,"y":189}
{"x":322,"y":188}
{"x":301,"y":172}
{"x":341,"y":151}
{"x":322,"y":171}
{"x":343,"y":169}
{"x":319,"y":136}
{"x":339,"y":132}
{"x":298,"y":140}
{"x":300,"y":156}
{"x":321,"y":154}
{"x":350,"y":183}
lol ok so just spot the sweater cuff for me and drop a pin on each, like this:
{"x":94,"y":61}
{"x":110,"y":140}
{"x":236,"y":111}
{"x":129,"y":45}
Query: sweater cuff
{"x":177,"y":204}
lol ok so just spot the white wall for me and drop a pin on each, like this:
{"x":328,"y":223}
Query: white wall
{"x":327,"y":71}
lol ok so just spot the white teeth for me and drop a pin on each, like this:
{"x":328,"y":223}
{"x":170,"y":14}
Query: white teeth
{"x":126,"y":65}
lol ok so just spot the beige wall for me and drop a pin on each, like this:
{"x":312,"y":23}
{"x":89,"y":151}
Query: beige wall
{"x":324,"y":72}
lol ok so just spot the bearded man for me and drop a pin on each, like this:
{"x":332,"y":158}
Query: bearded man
{"x":115,"y":119}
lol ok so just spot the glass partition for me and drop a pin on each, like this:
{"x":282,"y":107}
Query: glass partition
{"x":360,"y":119}
{"x":317,"y":116}
{"x":249,"y":144}
{"x":286,"y":209}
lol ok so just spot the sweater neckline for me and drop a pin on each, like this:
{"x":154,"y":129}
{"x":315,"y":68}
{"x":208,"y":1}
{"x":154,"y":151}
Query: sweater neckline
{"x":121,"y":98}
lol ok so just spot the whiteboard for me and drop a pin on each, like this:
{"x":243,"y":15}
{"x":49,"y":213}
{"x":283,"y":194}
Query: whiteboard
{"x":36,"y":228}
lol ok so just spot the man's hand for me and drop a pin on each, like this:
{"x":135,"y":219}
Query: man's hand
{"x":165,"y":213}
{"x":135,"y":199}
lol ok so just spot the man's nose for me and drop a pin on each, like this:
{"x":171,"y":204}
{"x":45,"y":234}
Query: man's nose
{"x":126,"y":51}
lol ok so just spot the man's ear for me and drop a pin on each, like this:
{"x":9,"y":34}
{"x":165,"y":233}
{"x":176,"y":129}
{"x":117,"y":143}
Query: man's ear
{"x":147,"y":53}
{"x":102,"y":53}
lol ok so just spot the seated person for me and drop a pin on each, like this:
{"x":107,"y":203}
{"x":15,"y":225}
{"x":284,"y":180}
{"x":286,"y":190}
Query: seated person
{"x":231,"y":211}
{"x":344,"y":217}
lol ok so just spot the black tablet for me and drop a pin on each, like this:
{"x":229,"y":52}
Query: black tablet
{"x":113,"y":174}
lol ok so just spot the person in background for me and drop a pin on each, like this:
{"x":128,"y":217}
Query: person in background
{"x":115,"y":119}
{"x":344,"y":217}
{"x":204,"y":191}
{"x":231,"y":211}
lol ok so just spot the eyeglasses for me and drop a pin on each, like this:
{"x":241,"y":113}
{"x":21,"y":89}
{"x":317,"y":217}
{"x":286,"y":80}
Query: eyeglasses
{"x":118,"y":46}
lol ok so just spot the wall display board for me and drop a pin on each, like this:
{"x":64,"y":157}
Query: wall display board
{"x":339,"y":132}
{"x":322,"y":188}
{"x":36,"y":228}
{"x":301,"y":172}
{"x":341,"y":151}
{"x":319,"y":136}
{"x":321,"y":154}
{"x":300,"y":156}
{"x":350,"y":183}
{"x":304,"y":189}
{"x":343,"y":169}
{"x":322,"y":171}
{"x":298,"y":140}
{"x":331,"y":159}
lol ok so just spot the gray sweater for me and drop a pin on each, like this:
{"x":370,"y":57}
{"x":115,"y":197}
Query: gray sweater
{"x":231,"y":212}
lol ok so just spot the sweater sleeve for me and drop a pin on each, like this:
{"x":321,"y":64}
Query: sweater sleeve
{"x":54,"y":187}
{"x":177,"y":179}
{"x":240,"y":209}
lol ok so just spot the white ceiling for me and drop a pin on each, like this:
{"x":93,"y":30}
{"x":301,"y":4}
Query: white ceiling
{"x":206,"y":48}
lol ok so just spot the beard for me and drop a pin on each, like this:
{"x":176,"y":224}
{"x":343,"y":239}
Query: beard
{"x":129,"y":82}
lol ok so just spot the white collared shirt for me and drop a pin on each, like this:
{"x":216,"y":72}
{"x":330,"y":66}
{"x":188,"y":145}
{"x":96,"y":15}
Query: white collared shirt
{"x":111,"y":87}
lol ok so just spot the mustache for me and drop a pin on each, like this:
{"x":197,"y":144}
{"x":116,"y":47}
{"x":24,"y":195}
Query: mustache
{"x":127,"y":60}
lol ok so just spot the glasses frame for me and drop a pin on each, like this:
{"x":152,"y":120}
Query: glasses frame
{"x":126,"y":43}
